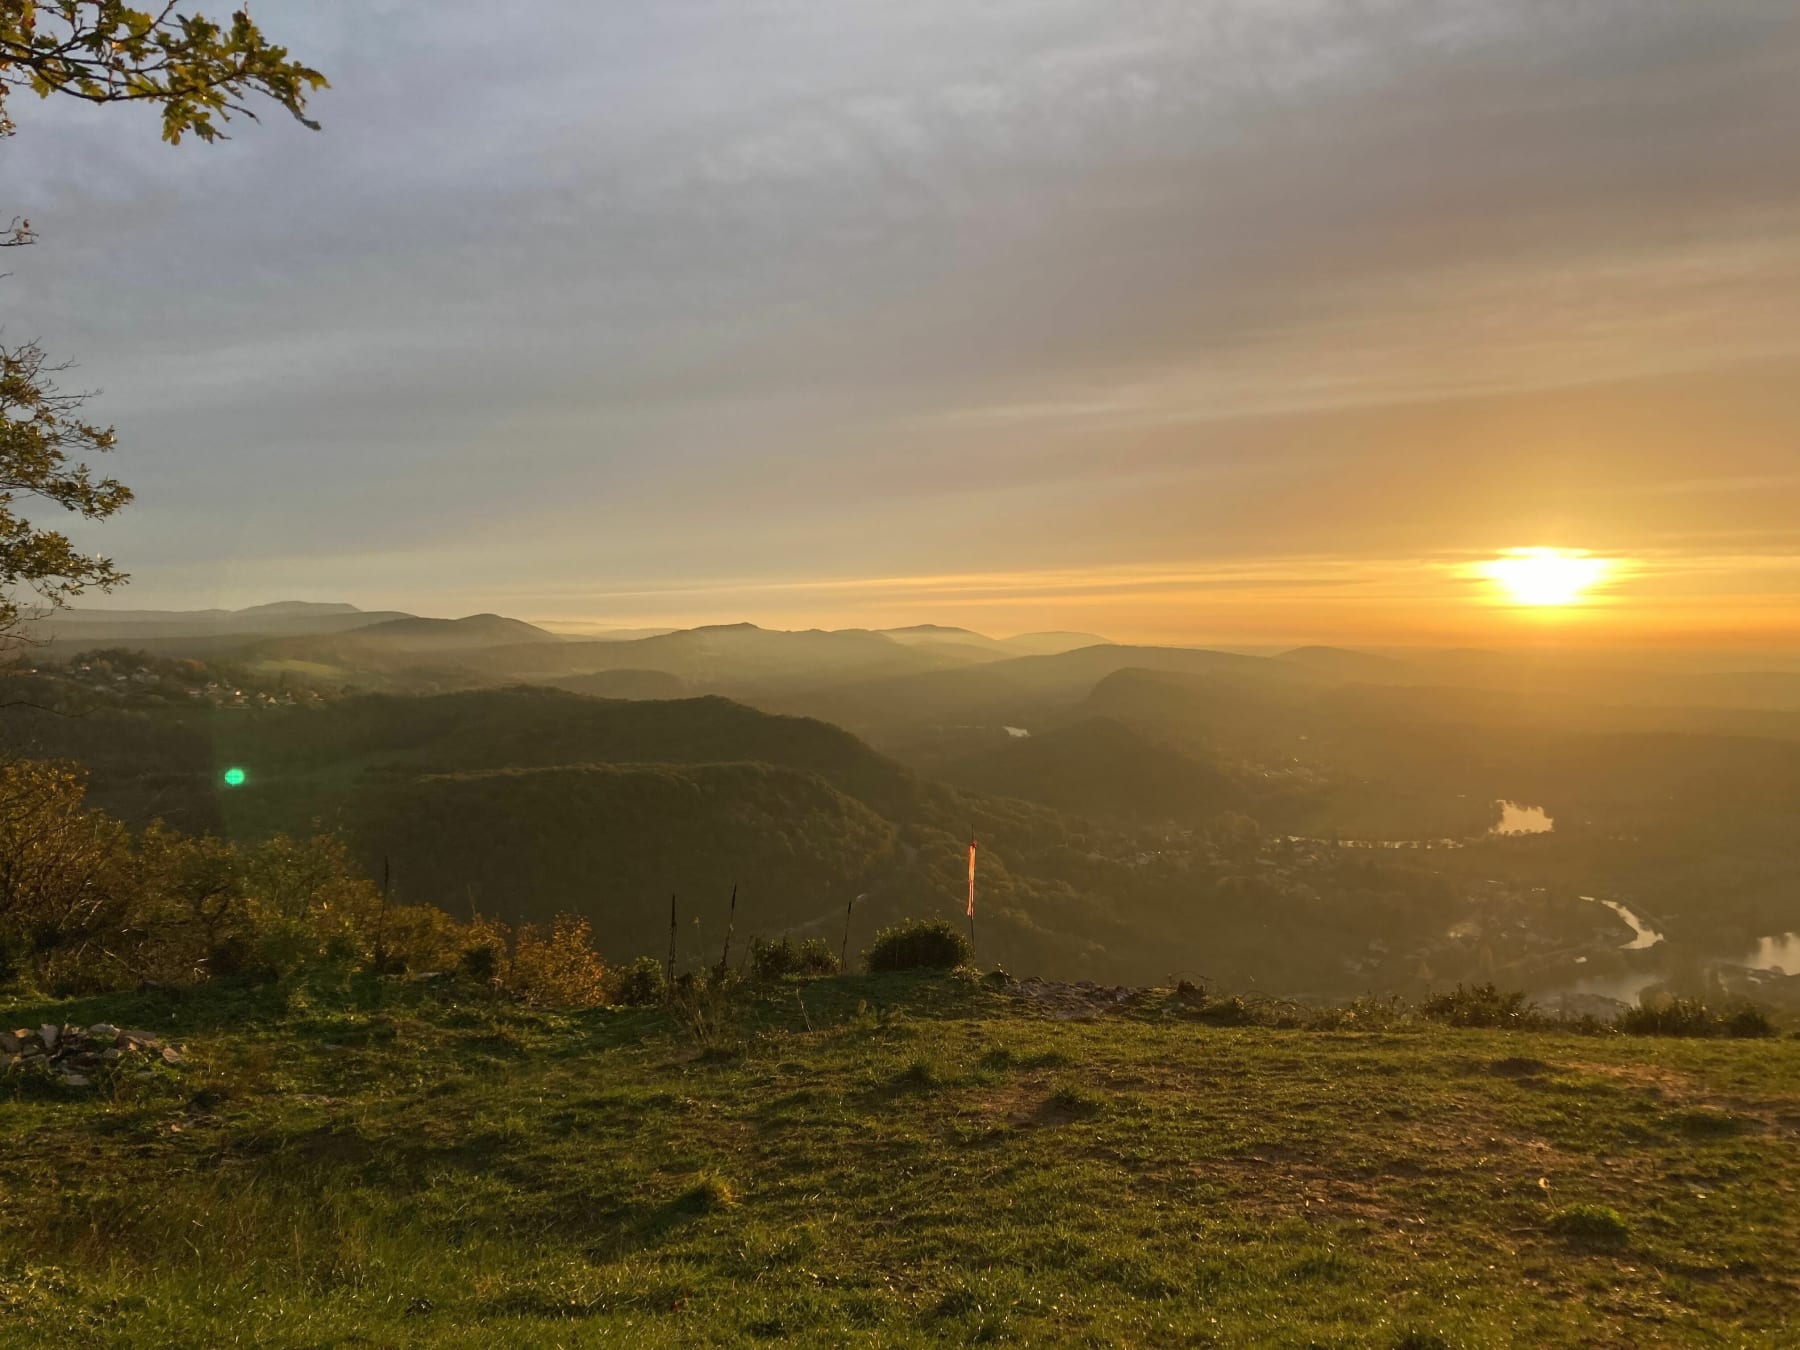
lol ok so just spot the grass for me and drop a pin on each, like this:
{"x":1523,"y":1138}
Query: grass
{"x":893,"y":1160}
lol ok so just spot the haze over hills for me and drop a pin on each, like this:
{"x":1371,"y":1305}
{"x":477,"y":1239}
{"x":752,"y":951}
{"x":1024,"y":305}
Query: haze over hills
{"x":381,"y":645}
{"x":1649,"y":774}
{"x":1098,"y":775}
{"x":73,"y":629}
{"x":1023,"y":644}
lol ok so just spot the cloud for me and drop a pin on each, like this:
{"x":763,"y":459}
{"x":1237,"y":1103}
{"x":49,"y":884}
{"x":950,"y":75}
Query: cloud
{"x":648,"y":291}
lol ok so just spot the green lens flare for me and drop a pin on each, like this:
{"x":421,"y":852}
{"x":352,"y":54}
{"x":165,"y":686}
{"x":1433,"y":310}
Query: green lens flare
{"x":234,"y":778}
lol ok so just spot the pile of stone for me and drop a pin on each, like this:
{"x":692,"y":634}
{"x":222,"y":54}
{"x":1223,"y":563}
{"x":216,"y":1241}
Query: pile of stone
{"x":77,"y":1054}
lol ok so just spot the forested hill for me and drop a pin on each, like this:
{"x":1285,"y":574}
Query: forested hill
{"x":531,"y":801}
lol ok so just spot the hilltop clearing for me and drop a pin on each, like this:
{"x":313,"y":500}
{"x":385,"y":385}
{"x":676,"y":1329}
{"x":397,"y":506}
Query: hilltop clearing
{"x":892,"y":1160}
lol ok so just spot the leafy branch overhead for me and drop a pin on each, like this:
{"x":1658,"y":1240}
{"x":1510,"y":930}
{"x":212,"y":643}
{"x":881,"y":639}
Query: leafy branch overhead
{"x":200,"y":71}
{"x":43,"y":441}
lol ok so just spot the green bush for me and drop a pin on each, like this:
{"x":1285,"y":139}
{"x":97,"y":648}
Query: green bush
{"x":1482,"y":1005}
{"x":772,"y":959}
{"x":639,"y":984}
{"x":1749,"y":1023}
{"x":1692,"y":1017}
{"x":916,"y":945}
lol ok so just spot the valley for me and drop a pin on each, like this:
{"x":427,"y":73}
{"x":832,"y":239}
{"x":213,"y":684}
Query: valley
{"x":1319,"y":823}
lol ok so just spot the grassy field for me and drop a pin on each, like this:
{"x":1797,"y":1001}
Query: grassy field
{"x":891,"y":1161}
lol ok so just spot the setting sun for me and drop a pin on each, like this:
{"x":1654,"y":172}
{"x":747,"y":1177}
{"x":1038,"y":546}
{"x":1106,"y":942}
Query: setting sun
{"x":1545,"y":576}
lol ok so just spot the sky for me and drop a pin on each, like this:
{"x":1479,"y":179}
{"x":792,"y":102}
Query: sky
{"x":1253,"y":321}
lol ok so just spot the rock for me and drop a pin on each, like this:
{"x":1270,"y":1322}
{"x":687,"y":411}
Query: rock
{"x":111,"y":1054}
{"x":170,"y":1055}
{"x":77,"y":1080}
{"x":139,"y":1040}
{"x":49,"y":1035}
{"x":104,"y":1031}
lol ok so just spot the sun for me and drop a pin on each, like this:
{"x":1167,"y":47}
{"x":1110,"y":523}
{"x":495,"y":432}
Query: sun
{"x":1545,"y":576}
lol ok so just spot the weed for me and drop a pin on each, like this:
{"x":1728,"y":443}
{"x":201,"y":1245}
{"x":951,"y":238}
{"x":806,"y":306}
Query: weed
{"x":772,"y":959}
{"x":709,"y":1193}
{"x":1596,"y":1225}
{"x":1482,"y":1005}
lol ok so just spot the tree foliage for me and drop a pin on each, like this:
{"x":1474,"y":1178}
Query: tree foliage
{"x":44,"y":442}
{"x":200,"y":71}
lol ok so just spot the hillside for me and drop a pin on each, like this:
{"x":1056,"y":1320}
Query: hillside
{"x":730,"y":658}
{"x":1104,"y":770}
{"x":1099,"y":856}
{"x":896,"y":1161}
{"x":447,"y":733}
{"x":398,"y":646}
{"x":612,"y":842}
{"x":931,"y":717}
{"x":536,"y":801}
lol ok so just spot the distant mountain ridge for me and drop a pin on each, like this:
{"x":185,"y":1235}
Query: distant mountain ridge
{"x":282,"y":617}
{"x":438,"y":635}
{"x":1023,"y":644}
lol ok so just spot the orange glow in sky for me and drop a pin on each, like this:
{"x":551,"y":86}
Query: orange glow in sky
{"x":1546,"y":576}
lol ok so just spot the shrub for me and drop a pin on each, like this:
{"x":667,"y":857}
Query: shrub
{"x":772,"y":959}
{"x":1692,"y":1017}
{"x":558,"y":966}
{"x":639,"y":984}
{"x":1482,"y":1005}
{"x":914,"y":945}
{"x":1749,"y":1023}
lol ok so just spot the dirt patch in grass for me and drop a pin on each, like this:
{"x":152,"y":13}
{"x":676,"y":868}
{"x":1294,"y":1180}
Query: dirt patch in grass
{"x":1652,"y":1078}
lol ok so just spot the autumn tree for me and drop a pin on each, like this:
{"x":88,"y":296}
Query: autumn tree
{"x":199,"y":73}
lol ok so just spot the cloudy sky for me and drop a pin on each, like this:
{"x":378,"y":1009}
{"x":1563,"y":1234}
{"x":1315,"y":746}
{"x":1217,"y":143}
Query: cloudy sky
{"x":1216,"y":322}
